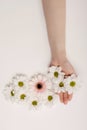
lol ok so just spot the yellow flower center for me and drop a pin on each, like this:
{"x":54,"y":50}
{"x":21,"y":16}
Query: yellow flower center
{"x":56,"y":74}
{"x":22,"y":96}
{"x":34,"y":103}
{"x":72,"y":83}
{"x":61,"y":84}
{"x":20,"y":84}
{"x":50,"y":98}
{"x":12,"y":93}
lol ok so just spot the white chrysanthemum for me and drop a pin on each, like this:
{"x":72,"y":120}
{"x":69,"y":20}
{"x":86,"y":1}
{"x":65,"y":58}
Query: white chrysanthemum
{"x":34,"y":103}
{"x":55,"y":73}
{"x":39,"y":84}
{"x":20,"y":81}
{"x":50,"y":98}
{"x":72,"y":83}
{"x":10,"y":92}
{"x":22,"y":96}
{"x":59,"y":86}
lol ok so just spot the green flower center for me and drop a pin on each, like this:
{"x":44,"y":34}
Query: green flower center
{"x":22,"y":96}
{"x":12,"y":93}
{"x":56,"y":74}
{"x":34,"y":103}
{"x":50,"y":98}
{"x":61,"y":84}
{"x":20,"y":84}
{"x":72,"y":83}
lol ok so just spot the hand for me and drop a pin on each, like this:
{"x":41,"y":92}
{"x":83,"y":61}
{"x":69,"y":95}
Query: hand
{"x":65,"y":97}
{"x":68,"y":69}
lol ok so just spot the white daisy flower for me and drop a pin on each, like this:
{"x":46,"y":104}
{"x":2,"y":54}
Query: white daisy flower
{"x":22,"y":96}
{"x":50,"y":99}
{"x":39,"y":84}
{"x":55,"y":73}
{"x":10,"y":92}
{"x":72,"y":83}
{"x":20,"y":81}
{"x":34,"y":103}
{"x":59,"y":86}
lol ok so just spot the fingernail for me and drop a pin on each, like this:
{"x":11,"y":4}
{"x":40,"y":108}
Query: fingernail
{"x":65,"y":102}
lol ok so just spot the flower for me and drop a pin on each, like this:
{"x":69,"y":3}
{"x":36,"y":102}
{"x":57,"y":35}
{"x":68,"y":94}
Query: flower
{"x":20,"y":81}
{"x":39,"y":84}
{"x":22,"y":96}
{"x":55,"y":73}
{"x":34,"y":103}
{"x":59,"y":86}
{"x":10,"y":92}
{"x":72,"y":83}
{"x":50,"y":98}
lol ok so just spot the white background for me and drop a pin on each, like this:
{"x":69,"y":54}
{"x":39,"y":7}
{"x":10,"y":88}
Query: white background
{"x":24,"y":48}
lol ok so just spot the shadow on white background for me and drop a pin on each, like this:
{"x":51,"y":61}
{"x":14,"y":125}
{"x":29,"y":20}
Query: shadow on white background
{"x":24,"y":48}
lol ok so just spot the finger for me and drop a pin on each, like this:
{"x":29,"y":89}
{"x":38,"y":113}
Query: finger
{"x":70,"y":97}
{"x":61,"y":96}
{"x":65,"y":97}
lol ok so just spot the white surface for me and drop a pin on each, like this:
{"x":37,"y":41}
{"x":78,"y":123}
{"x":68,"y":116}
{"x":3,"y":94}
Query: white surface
{"x":24,"y":48}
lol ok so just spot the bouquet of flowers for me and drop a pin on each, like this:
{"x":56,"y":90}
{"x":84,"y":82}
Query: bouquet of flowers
{"x":40,"y":89}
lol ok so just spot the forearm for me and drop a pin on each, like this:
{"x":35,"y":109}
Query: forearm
{"x":55,"y":14}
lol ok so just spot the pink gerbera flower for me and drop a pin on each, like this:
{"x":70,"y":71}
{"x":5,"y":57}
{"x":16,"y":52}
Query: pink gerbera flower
{"x":40,"y":83}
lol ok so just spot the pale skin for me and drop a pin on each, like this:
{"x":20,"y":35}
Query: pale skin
{"x":55,"y":15}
